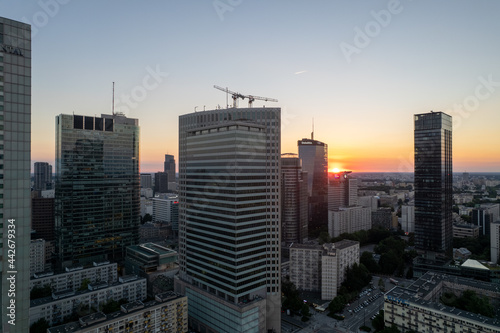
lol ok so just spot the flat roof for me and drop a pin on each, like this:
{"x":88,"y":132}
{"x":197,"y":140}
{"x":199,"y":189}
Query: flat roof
{"x":422,"y":292}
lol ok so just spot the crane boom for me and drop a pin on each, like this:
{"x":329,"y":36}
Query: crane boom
{"x":251,"y":98}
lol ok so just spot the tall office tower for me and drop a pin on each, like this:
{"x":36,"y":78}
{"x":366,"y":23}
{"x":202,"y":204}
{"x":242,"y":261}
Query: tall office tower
{"x":146,"y":180}
{"x":342,"y":190}
{"x":97,"y":201}
{"x":229,"y":218}
{"x":169,"y":167}
{"x":161,"y":182}
{"x":294,"y":206}
{"x":15,"y":180}
{"x":465,"y":178}
{"x":42,"y":217}
{"x":485,"y":214}
{"x":408,"y":218}
{"x":314,"y":156}
{"x":43,"y":176}
{"x":433,"y":183}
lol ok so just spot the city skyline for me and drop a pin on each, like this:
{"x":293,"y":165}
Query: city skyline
{"x":361,"y":70}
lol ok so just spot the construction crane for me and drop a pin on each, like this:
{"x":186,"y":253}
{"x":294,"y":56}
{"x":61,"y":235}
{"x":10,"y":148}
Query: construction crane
{"x":251,"y":98}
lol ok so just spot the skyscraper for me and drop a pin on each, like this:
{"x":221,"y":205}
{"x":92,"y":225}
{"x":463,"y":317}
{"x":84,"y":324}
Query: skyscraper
{"x":433,"y":183}
{"x":15,"y":143}
{"x":294,"y":205}
{"x":342,"y":190}
{"x":229,"y":218}
{"x":43,"y":176}
{"x":169,"y":167}
{"x":314,"y":156}
{"x":97,"y":202}
{"x":161,"y":182}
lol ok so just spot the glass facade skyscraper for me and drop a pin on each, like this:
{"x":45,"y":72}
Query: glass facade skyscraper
{"x":229,"y":219}
{"x":433,"y":183}
{"x":314,"y":156}
{"x":97,"y":201}
{"x":15,"y":196}
{"x":294,"y":202}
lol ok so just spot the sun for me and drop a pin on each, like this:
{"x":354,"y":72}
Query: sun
{"x":335,"y":170}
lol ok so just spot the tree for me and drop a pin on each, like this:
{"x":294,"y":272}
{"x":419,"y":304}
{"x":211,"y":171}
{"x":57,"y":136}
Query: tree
{"x":370,"y":263}
{"x":40,"y":292}
{"x":146,"y":218}
{"x":337,"y":304}
{"x":378,"y":322}
{"x":409,"y":273}
{"x":85,"y":284}
{"x":291,"y":297}
{"x":324,"y":237}
{"x":39,"y":326}
{"x":305,"y":312}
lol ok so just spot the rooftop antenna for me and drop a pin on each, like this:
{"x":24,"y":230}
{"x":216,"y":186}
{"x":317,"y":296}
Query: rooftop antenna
{"x":113,"y":105}
{"x":312,"y":133}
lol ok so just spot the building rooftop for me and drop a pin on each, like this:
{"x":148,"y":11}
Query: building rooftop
{"x":423,"y":293}
{"x":98,"y":317}
{"x":345,"y":244}
{"x":474,"y":264}
{"x":71,"y":293}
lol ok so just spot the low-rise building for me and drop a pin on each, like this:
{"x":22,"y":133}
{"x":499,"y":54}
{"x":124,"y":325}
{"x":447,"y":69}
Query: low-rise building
{"x":167,"y":313}
{"x":322,"y":268}
{"x":382,"y":218}
{"x":156,"y":263}
{"x":408,"y":218}
{"x":37,"y":256}
{"x":73,"y":277}
{"x":464,"y":230}
{"x":61,"y":304}
{"x":417,"y":307}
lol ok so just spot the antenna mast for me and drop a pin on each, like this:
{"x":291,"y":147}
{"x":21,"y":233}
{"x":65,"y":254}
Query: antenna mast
{"x":312,"y":133}
{"x":113,"y":105}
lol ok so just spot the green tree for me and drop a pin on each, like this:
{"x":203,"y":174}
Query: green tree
{"x":324,"y":237}
{"x":409,"y":273}
{"x":337,"y":304}
{"x":305,"y":312}
{"x":291,"y":298}
{"x":378,"y":322}
{"x":370,"y":263}
{"x":40,"y":292}
{"x":39,"y":326}
{"x":85,"y":284}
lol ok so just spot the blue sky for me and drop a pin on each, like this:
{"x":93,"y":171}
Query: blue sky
{"x":416,"y":57}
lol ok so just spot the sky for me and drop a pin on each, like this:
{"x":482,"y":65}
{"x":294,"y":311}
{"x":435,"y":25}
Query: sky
{"x":360,"y":69}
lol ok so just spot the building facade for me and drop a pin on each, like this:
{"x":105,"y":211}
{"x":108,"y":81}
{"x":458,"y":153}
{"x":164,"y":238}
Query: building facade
{"x":61,"y":304}
{"x":495,"y":242}
{"x":73,"y":277}
{"x":43,"y":176}
{"x":224,"y":155}
{"x":408,"y":218}
{"x":42,"y":217}
{"x":342,"y":190}
{"x":382,"y":218}
{"x":418,"y":307}
{"x":294,"y":204}
{"x":161,"y":182}
{"x":314,"y":156}
{"x":322,"y":268}
{"x":168,"y":312}
{"x":146,"y":180}
{"x":349,"y":220}
{"x":37,"y":256}
{"x":15,"y":164}
{"x":169,"y":167}
{"x":166,"y":210}
{"x":97,"y":200}
{"x":485,"y":214}
{"x":433,"y":183}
